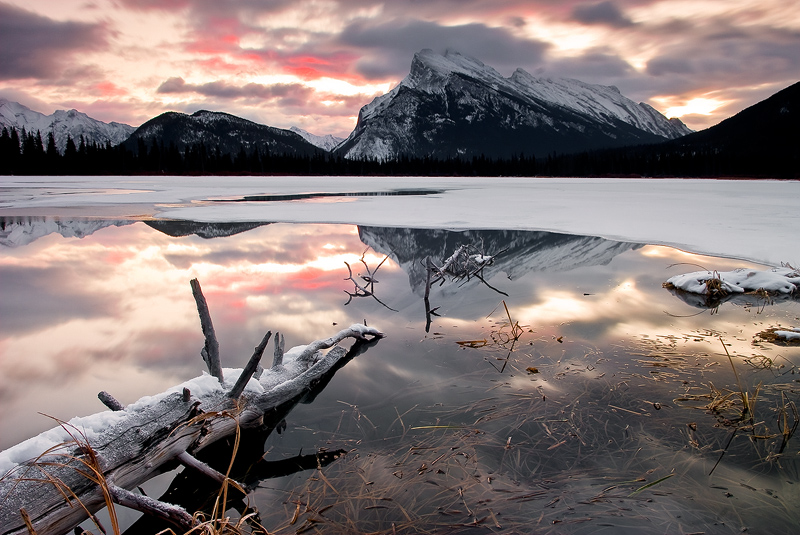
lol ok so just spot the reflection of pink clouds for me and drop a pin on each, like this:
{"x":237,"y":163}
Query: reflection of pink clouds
{"x":313,"y":279}
{"x":153,"y":323}
{"x":118,"y":257}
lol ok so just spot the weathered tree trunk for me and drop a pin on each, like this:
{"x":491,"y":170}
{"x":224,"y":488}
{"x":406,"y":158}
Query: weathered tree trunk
{"x":66,"y":483}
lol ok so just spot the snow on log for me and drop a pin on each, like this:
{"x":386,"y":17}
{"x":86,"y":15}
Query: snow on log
{"x":102,"y":457}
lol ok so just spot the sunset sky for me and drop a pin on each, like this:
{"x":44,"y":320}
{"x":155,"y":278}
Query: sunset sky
{"x":314,"y":63}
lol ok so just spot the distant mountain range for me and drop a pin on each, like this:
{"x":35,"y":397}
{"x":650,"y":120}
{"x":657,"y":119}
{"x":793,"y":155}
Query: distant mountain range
{"x":453,"y":105}
{"x":18,"y":231}
{"x":63,"y":124}
{"x":450,"y":106}
{"x":327,"y":142}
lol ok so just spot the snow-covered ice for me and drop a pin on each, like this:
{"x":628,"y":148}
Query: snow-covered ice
{"x":746,"y":219}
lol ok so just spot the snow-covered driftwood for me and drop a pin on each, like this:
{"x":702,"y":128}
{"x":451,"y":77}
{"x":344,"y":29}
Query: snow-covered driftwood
{"x":55,"y":480}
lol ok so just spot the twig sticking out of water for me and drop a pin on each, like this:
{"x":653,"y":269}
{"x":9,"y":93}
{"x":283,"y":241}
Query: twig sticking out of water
{"x":367,"y":288}
{"x":787,"y":430}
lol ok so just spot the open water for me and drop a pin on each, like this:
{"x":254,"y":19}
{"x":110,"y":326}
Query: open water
{"x":561,"y":391}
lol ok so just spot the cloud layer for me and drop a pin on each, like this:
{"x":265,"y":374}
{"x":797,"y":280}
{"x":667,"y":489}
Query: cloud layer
{"x":314,"y":63}
{"x":36,"y":47}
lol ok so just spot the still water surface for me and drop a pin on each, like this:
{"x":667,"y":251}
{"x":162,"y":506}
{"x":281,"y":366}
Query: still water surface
{"x":595,"y":419}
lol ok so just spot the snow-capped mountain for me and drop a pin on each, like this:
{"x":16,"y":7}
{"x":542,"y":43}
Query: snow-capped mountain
{"x":523,"y":251}
{"x":452,"y":105}
{"x":215,"y":129}
{"x":62,"y":123}
{"x":23,"y":230}
{"x":604,"y":103}
{"x":327,"y":142}
{"x":19,"y":231}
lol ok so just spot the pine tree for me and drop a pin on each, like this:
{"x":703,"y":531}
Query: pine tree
{"x":52,"y":156}
{"x":9,"y":151}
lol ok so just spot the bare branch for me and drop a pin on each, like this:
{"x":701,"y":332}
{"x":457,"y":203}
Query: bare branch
{"x":210,"y":352}
{"x":110,"y":401}
{"x":280,"y":343}
{"x":166,"y":511}
{"x":250,"y":369}
{"x":369,"y":290}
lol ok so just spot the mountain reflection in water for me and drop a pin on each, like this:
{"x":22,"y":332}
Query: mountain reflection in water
{"x":606,"y":390}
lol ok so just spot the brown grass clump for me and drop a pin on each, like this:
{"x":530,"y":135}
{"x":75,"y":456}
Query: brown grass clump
{"x":769,"y":335}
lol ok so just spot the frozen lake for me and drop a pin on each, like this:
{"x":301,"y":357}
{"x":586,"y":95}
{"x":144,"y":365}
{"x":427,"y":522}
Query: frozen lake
{"x":613,"y":409}
{"x":754,"y":220}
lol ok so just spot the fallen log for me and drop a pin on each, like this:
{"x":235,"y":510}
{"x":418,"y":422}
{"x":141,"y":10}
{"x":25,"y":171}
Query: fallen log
{"x":51,"y":483}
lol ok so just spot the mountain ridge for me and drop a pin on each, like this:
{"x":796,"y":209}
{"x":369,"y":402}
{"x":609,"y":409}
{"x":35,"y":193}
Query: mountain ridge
{"x":230,"y":133}
{"x":327,"y":142}
{"x":63,"y":124}
{"x":454,"y":105}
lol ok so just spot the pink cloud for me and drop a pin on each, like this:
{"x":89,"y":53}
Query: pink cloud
{"x":110,"y":89}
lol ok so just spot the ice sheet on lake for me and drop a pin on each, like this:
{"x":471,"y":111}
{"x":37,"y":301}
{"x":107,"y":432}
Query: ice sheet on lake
{"x":747,"y":219}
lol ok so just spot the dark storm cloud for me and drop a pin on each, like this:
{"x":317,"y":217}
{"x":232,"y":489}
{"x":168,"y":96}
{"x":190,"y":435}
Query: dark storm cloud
{"x":228,"y":91}
{"x":732,"y":56}
{"x":389,"y":46}
{"x":669,"y":65}
{"x":601,"y":13}
{"x":33,"y":46}
{"x":593,"y":66}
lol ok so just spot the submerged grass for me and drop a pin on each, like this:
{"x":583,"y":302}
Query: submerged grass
{"x":596,"y":441}
{"x":589,"y":443}
{"x":620,"y":440}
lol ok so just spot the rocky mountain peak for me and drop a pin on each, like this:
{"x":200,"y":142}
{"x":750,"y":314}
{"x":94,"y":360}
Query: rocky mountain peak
{"x":453,"y":105}
{"x":429,"y":70}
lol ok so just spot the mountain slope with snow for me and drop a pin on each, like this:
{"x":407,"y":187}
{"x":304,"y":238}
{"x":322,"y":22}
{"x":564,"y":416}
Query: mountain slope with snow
{"x":63,"y":124}
{"x":522,"y":251}
{"x":17,"y":231}
{"x":215,"y":129}
{"x":327,"y":142}
{"x":454,"y":105}
{"x":604,"y":103}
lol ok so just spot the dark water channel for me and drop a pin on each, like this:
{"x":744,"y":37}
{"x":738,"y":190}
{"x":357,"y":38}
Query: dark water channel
{"x":612,"y":408}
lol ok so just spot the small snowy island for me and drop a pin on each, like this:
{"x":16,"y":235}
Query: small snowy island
{"x":782,"y":280}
